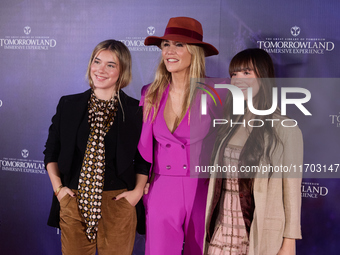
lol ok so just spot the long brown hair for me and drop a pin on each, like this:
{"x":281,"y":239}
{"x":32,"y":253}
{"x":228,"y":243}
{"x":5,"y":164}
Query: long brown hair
{"x":255,"y":147}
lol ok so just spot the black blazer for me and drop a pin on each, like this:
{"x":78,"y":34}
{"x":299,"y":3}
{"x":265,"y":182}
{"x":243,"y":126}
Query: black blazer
{"x":61,"y":143}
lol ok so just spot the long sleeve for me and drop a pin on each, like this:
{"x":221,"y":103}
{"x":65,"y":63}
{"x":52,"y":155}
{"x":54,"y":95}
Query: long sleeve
{"x":145,"y":145}
{"x":52,"y":146}
{"x":292,"y":156}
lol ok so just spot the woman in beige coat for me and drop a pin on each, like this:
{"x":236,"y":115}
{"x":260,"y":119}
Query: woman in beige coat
{"x":254,"y":207}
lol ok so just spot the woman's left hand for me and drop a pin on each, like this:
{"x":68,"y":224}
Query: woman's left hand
{"x":288,"y":247}
{"x":132,"y":196}
{"x":284,"y":252}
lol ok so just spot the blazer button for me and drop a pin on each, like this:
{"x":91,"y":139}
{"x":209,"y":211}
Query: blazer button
{"x":168,"y":145}
{"x":183,"y":147}
{"x":241,"y":195}
{"x":168,"y":167}
{"x":184,"y":166}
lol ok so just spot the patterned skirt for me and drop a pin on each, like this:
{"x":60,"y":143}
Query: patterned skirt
{"x":230,"y":235}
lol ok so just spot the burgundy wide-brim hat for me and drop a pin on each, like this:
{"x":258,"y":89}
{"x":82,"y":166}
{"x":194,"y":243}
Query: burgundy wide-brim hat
{"x":186,"y":30}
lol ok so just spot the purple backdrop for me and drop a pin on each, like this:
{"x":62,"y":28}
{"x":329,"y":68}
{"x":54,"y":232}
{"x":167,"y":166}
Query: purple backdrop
{"x":45,"y":47}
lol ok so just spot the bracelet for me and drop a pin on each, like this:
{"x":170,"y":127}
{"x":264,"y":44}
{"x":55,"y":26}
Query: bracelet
{"x":58,"y":190}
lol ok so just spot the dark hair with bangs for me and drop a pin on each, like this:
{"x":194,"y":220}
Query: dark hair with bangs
{"x":255,"y":148}
{"x":256,"y":60}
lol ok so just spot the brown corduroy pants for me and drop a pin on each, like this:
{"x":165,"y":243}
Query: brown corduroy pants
{"x":116,"y":228}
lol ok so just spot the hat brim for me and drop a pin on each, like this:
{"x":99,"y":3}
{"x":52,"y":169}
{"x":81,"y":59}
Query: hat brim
{"x":155,"y":40}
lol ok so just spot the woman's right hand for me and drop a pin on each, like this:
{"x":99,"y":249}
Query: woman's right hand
{"x":147,"y":185}
{"x":146,"y":188}
{"x":64,"y":191}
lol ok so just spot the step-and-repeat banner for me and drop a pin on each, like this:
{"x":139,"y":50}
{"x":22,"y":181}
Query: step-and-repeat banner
{"x":45,"y":47}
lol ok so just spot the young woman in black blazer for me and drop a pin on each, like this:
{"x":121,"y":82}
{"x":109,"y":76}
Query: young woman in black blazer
{"x":92,"y":159}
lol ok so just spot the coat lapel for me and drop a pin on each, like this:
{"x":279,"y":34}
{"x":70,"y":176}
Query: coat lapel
{"x":127,"y":138}
{"x":260,"y":197}
{"x":73,"y":109}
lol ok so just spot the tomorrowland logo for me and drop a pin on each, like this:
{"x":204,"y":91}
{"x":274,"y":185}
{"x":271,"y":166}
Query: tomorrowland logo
{"x":151,"y":30}
{"x":27,"y":30}
{"x":27,"y":42}
{"x":136,"y":43}
{"x":335,"y":119}
{"x":24,"y":153}
{"x":313,"y":190}
{"x":295,"y":31}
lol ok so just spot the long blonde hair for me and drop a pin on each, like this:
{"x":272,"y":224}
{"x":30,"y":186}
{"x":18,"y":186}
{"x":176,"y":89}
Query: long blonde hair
{"x":156,"y":89}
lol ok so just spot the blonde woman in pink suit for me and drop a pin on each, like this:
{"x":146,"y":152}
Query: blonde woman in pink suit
{"x":175,"y":203}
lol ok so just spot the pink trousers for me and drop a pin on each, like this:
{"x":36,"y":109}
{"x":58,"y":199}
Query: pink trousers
{"x":175,"y":214}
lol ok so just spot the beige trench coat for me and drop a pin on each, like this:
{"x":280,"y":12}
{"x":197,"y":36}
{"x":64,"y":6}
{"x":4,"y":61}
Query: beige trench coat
{"x":277,"y":200}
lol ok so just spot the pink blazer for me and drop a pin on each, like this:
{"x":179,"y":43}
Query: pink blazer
{"x":180,"y":152}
